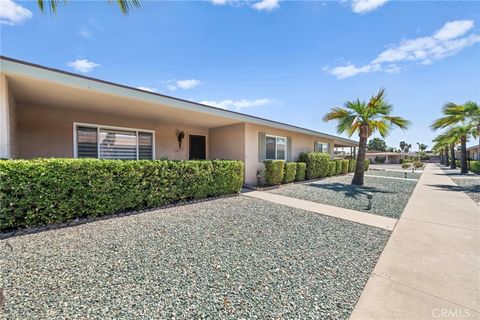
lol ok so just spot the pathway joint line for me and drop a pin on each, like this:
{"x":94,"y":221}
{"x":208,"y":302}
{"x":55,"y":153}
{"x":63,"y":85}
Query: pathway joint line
{"x":336,"y":212}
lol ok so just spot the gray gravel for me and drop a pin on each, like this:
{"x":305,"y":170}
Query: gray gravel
{"x":396,"y":174}
{"x":227,"y":258}
{"x":390,"y":196}
{"x":469,"y":185}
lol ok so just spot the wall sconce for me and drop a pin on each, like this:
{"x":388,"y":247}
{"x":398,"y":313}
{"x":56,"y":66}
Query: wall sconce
{"x":180,"y":137}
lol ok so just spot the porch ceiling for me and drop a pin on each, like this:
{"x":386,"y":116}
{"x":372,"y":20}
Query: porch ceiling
{"x":42,"y":93}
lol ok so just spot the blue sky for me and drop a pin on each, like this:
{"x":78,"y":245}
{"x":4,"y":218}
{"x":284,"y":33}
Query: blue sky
{"x":289,"y":61}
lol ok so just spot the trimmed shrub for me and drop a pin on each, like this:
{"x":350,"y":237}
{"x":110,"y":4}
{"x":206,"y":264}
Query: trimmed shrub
{"x":345,"y":164}
{"x":274,"y":170}
{"x":379,"y":159}
{"x":331,"y":168}
{"x":457,"y":163}
{"x":406,"y":165}
{"x":418,"y":164}
{"x":317,"y":164}
{"x":474,"y":166}
{"x":351,"y":165}
{"x":367,"y":164}
{"x":290,"y":170}
{"x":44,"y":191}
{"x":338,"y":167}
{"x":300,"y":174}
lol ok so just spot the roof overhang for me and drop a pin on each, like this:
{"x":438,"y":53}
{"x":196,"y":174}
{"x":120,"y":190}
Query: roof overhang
{"x":28,"y":72}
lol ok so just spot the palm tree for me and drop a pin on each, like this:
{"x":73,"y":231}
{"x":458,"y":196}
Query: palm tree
{"x":365,"y":118}
{"x":125,"y":5}
{"x":467,"y":117}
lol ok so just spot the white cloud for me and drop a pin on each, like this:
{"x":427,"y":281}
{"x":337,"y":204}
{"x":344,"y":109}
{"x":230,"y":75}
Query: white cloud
{"x":83,"y":65}
{"x":266,"y":5}
{"x":186,"y":84}
{"x":238,"y":104}
{"x":445,"y":42}
{"x":147,"y":89}
{"x":364,"y":6}
{"x":262,"y":5}
{"x":85,"y":33}
{"x":12,"y":13}
{"x":454,"y":29}
{"x":219,"y":2}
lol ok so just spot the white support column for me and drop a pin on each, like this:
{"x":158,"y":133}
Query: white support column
{"x":4,"y":118}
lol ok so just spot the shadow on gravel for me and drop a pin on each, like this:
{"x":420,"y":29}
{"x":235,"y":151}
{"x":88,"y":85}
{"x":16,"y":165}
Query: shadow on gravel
{"x":467,"y":189}
{"x":347,"y":189}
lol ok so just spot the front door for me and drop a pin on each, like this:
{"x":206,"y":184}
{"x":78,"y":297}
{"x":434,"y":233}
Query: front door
{"x":198,"y":148}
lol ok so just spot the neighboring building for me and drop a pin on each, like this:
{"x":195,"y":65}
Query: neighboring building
{"x":472,"y":153}
{"x":46,"y":112}
{"x":390,"y":157}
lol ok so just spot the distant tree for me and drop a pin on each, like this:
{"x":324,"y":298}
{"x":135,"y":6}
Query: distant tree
{"x":422,"y":147}
{"x":393,"y":149}
{"x":465,"y":120}
{"x":405,"y":147}
{"x":377,"y":144}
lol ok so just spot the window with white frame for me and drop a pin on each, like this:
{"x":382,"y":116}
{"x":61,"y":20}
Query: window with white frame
{"x":104,"y":142}
{"x":321,"y":147}
{"x":276,"y":148}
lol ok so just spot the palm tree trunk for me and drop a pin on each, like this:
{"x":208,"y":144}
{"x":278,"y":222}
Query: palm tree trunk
{"x":463,"y":157}
{"x":441,"y":158}
{"x":362,"y":150}
{"x":447,"y":162}
{"x":453,"y":165}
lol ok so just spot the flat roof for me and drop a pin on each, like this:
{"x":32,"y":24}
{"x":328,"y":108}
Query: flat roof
{"x":12,"y":65}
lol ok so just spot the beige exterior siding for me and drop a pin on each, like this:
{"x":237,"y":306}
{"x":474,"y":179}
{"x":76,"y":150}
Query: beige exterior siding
{"x":48,"y":131}
{"x":227,"y":142}
{"x":300,"y":143}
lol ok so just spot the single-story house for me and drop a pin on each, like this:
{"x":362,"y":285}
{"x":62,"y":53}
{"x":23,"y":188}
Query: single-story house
{"x":46,"y":112}
{"x":390,"y":157}
{"x":473,"y":153}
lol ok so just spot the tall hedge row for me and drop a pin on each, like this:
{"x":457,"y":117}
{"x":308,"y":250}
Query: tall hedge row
{"x":274,"y":171}
{"x":367,"y":164}
{"x":351,"y":165}
{"x":317,"y":164}
{"x":338,"y":167}
{"x":46,"y":191}
{"x":474,"y":166}
{"x":345,"y":166}
{"x":290,"y":170}
{"x":331,"y":168}
{"x":300,"y":174}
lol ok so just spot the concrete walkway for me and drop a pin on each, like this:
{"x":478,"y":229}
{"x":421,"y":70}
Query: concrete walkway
{"x":387,"y":177}
{"x":430,"y":267}
{"x":341,"y":213}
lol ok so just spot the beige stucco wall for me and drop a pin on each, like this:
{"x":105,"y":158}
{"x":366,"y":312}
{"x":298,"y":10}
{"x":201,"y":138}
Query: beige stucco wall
{"x":300,"y":143}
{"x":48,"y":131}
{"x":227,"y":142}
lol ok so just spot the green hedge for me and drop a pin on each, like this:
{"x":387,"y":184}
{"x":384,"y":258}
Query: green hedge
{"x":474,"y":166}
{"x":44,"y":191}
{"x":338,"y":167}
{"x":367,"y":164}
{"x":300,"y":174}
{"x":331,"y":168}
{"x":317,"y":164}
{"x":345,"y":166}
{"x":290,"y":170}
{"x":274,"y":170}
{"x":351,"y":165}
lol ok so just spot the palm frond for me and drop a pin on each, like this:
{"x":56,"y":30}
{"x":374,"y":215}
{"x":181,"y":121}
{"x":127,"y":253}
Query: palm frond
{"x":127,"y":5}
{"x":398,"y":121}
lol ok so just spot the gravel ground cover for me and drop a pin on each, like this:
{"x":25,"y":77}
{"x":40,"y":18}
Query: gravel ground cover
{"x":396,"y":174}
{"x":469,"y":185}
{"x":390,"y":196}
{"x":227,"y":258}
